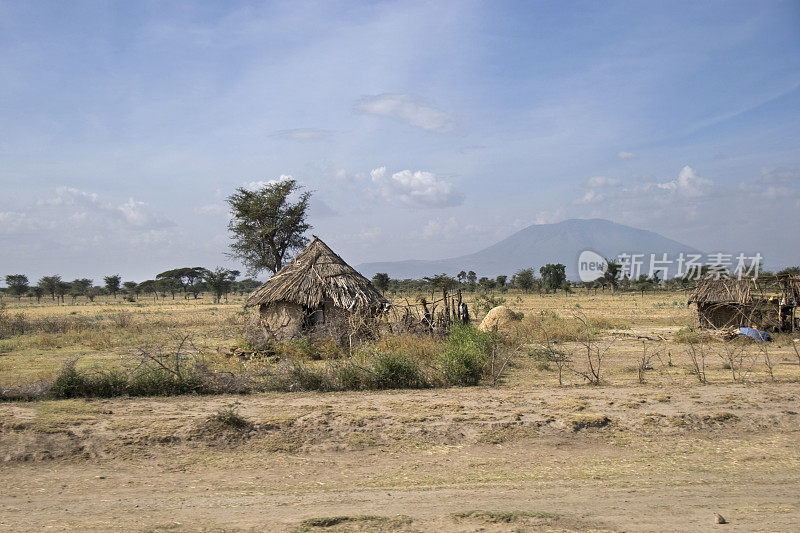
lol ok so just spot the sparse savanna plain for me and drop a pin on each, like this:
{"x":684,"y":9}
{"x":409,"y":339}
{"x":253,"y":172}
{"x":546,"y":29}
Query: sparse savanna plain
{"x":650,"y":447}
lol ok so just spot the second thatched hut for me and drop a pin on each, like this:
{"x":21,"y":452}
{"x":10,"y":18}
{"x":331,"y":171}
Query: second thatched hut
{"x":317,"y":291}
{"x":766,"y":303}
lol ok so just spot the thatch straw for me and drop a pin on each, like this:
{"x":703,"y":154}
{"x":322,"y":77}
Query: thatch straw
{"x":315,"y":275}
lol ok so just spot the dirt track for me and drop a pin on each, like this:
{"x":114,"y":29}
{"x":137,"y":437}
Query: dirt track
{"x":634,"y":459}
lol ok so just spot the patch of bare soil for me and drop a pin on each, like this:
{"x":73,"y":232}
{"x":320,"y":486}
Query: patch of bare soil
{"x":477,"y":459}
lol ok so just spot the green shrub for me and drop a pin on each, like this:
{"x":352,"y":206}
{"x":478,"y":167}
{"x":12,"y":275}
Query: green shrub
{"x":73,"y":383}
{"x":155,"y":381}
{"x":107,"y":384}
{"x":465,"y":355}
{"x":306,"y":349}
{"x":69,"y":383}
{"x":396,"y":371}
{"x":350,"y":377}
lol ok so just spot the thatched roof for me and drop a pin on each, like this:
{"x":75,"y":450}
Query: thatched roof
{"x":315,"y":275}
{"x":746,"y":290}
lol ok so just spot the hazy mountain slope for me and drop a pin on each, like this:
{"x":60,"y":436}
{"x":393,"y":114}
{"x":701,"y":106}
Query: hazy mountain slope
{"x":537,"y":245}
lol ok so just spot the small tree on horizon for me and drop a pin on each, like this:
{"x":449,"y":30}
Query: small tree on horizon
{"x":36,"y":292}
{"x":219,"y":281}
{"x":49,"y":284}
{"x":130,"y":288}
{"x":113,"y":284}
{"x":472,"y":279}
{"x":525,"y":279}
{"x":17,"y":284}
{"x":553,"y":276}
{"x":381,"y":281}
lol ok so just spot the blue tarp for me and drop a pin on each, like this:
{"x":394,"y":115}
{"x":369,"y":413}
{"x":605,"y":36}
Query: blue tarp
{"x":756,"y":334}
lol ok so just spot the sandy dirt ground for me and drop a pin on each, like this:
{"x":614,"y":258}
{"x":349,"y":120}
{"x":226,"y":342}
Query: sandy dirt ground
{"x":638,"y":458}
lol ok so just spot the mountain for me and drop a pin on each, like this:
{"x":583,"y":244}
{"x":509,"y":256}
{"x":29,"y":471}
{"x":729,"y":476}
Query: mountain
{"x":538,"y":245}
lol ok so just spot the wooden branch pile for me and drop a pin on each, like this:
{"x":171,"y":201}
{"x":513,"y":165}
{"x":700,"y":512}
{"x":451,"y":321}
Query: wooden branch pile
{"x":435,"y":316}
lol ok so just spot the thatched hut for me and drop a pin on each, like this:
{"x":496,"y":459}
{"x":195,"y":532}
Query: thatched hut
{"x":316,"y":291}
{"x":766,"y":303}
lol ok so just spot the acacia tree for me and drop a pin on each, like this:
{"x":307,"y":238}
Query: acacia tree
{"x":62,"y":288}
{"x":79,"y":287}
{"x":17,"y":284}
{"x":266,"y":226}
{"x":113,"y":284}
{"x":525,"y":279}
{"x":36,"y":292}
{"x":131,"y":288}
{"x":49,"y":285}
{"x":381,"y":281}
{"x":553,"y":276}
{"x":501,"y":281}
{"x":472,"y":279}
{"x":219,"y":281}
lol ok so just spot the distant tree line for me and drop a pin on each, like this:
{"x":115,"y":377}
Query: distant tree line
{"x":187,"y":282}
{"x":549,"y":278}
{"x":552,"y":277}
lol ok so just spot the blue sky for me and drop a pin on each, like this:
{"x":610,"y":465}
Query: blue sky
{"x":425,"y":129}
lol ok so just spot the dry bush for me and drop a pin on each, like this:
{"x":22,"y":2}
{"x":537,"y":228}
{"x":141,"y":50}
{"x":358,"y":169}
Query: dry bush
{"x":697,"y":352}
{"x":650,"y":354}
{"x":571,"y":344}
{"x":594,"y":349}
{"x":767,"y":358}
{"x":736,"y":357}
{"x":550,"y":352}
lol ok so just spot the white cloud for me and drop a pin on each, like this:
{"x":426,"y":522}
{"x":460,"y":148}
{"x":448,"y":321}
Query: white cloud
{"x":343,"y":175}
{"x":626,"y":155}
{"x":69,"y":196}
{"x":415,"y":189}
{"x":436,"y":228}
{"x":78,"y":214}
{"x":688,"y":183}
{"x":256,"y":185}
{"x":406,"y":108}
{"x":134,"y":212}
{"x":590,"y":197}
{"x":13,"y":222}
{"x":602,"y":181}
{"x":774,"y":183}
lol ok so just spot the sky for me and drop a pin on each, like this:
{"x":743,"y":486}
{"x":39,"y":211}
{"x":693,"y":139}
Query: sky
{"x":424,"y":129}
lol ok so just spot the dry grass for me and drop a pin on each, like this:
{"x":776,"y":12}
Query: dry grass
{"x":108,"y":331}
